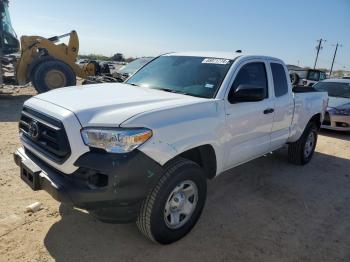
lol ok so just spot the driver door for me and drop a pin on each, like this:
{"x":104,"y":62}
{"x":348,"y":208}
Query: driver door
{"x":249,"y":124}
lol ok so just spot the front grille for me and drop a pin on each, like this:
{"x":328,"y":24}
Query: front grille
{"x":45,"y":134}
{"x":326,"y":120}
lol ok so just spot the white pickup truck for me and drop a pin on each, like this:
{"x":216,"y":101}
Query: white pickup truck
{"x":143,"y":150}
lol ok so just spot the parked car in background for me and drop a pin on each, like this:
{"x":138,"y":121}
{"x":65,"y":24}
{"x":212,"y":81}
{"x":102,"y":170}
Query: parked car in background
{"x":118,"y":72}
{"x":305,"y":77}
{"x":82,"y":61}
{"x":111,"y":65}
{"x":132,"y":67}
{"x":338,"y":112}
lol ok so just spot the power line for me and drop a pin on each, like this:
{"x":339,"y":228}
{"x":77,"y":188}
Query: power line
{"x":326,"y":61}
{"x":318,"y":48}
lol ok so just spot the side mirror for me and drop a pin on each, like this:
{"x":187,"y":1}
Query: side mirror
{"x":248,"y":93}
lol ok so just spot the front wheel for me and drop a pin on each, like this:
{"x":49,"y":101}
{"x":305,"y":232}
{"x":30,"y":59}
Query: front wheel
{"x":301,"y":151}
{"x":174,"y":205}
{"x":52,"y":74}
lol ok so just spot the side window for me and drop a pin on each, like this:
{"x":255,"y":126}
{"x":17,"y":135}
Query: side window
{"x":313,"y":75}
{"x":251,"y":74}
{"x":279,"y":79}
{"x":322,"y":76}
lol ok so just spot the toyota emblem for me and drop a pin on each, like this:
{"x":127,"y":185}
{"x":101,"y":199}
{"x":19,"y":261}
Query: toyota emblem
{"x":33,"y":130}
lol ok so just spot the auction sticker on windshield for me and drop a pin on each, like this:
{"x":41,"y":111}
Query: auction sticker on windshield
{"x":218,"y":61}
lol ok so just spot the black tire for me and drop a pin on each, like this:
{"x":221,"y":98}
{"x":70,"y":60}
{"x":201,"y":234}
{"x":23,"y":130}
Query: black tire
{"x":294,"y":78}
{"x":151,"y":220}
{"x":64,"y":73}
{"x":296,"y":153}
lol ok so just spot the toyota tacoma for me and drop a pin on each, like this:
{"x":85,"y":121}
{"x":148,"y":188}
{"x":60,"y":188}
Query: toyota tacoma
{"x":143,"y":150}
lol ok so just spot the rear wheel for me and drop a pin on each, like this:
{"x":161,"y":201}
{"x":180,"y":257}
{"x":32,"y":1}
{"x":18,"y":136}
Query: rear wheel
{"x":301,"y":151}
{"x":173,"y":207}
{"x":52,"y":74}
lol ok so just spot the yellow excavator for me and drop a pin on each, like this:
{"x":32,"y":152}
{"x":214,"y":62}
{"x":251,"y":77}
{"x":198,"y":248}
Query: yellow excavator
{"x":45,"y":62}
{"x":49,"y":65}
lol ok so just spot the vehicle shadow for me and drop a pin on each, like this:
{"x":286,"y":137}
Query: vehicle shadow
{"x":11,"y":107}
{"x":335,"y":134}
{"x":264,"y":210}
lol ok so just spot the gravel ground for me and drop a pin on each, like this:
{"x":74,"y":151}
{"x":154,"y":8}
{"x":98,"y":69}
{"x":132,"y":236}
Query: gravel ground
{"x":266,"y":210}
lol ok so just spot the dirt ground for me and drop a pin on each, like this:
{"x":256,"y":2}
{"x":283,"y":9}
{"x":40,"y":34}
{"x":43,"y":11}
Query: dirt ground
{"x":266,"y":210}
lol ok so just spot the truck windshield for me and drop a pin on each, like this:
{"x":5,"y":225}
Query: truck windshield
{"x":334,"y":89}
{"x":195,"y":76}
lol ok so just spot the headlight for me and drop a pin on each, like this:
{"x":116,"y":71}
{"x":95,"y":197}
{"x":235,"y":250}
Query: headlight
{"x":119,"y":140}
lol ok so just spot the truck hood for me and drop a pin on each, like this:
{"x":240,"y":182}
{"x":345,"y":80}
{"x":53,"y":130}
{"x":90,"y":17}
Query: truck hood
{"x":111,"y":104}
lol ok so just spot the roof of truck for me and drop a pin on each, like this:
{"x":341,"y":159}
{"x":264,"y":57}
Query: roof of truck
{"x":216,"y":54}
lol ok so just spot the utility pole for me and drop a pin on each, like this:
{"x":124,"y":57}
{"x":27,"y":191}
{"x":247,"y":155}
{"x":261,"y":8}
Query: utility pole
{"x":335,"y":53}
{"x":318,"y":48}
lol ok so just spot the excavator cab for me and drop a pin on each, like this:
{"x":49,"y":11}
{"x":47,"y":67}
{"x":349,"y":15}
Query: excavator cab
{"x":9,"y":41}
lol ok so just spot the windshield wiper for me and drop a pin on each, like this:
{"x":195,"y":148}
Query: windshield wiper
{"x":133,"y":84}
{"x":173,"y":91}
{"x":181,"y":92}
{"x":165,"y":89}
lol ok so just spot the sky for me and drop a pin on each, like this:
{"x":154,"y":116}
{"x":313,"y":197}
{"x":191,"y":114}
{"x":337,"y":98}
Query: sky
{"x":285,"y":29}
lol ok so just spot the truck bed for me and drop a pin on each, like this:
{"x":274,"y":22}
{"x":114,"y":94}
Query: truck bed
{"x":303,"y":89}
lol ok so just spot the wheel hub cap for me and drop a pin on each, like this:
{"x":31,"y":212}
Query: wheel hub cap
{"x":55,"y":79}
{"x":309,"y":145}
{"x":177,"y":201}
{"x":180,"y":204}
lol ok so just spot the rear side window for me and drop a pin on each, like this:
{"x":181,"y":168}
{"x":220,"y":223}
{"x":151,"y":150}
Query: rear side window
{"x":313,"y":75}
{"x":251,"y":74}
{"x":279,"y":79}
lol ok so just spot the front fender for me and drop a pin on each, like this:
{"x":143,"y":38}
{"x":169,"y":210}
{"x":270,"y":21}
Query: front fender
{"x":178,"y":129}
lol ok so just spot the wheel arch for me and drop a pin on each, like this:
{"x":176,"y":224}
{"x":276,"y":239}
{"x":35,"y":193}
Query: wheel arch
{"x":204,"y":156}
{"x":299,"y":126}
{"x":317,"y":118}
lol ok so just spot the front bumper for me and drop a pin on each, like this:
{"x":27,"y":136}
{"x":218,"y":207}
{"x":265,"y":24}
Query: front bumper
{"x":336,"y":122}
{"x":110,"y":186}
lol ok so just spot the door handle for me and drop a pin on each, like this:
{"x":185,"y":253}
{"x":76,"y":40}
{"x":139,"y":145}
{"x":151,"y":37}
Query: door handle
{"x":268,"y":111}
